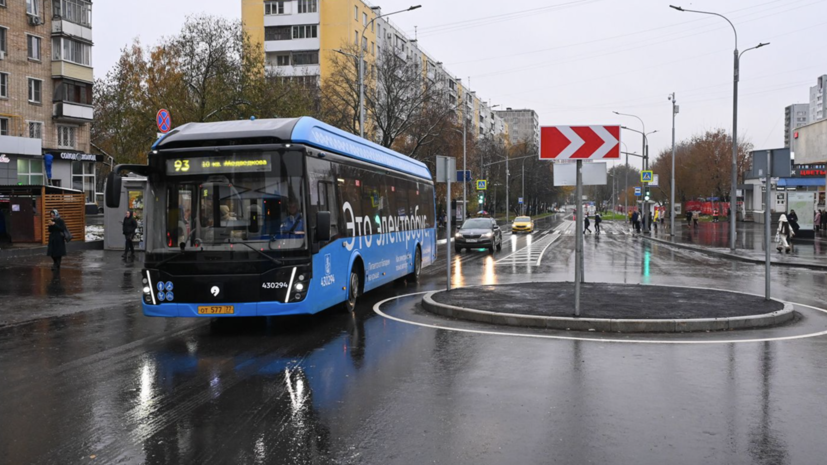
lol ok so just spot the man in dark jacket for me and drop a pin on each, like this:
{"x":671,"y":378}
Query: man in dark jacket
{"x":130,"y":225}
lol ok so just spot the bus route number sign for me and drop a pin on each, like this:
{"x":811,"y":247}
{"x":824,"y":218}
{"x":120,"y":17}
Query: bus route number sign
{"x":231,"y":164}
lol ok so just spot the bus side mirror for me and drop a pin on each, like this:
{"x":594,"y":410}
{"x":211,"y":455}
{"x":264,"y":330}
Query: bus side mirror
{"x":113,"y":190}
{"x":322,"y":226}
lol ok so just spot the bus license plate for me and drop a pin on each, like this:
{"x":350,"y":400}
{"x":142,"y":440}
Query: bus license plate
{"x":216,"y":310}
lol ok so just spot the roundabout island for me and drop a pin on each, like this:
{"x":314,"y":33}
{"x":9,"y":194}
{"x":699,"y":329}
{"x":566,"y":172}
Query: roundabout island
{"x":615,"y":308}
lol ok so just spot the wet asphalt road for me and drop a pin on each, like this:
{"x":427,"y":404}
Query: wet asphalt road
{"x":87,"y":378}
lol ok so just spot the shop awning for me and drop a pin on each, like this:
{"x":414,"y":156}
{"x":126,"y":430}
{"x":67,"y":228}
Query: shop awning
{"x":801,"y":182}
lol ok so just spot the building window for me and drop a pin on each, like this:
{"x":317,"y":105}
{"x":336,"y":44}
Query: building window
{"x":308,"y":6}
{"x":66,"y":136}
{"x":76,"y":11}
{"x":277,"y":33}
{"x":273,"y":8}
{"x":71,"y":50}
{"x":364,"y":43}
{"x":305,"y":58}
{"x":305,"y":32}
{"x":33,"y":47}
{"x":35,"y":90}
{"x":30,"y":172}
{"x":4,"y":85}
{"x":3,"y":32}
{"x":71,"y":91}
{"x":2,"y":2}
{"x":4,"y":126}
{"x":356,"y":37}
{"x":83,"y":179}
{"x":364,"y":19}
{"x":356,"y":13}
{"x":35,"y":129}
{"x":32,"y":7}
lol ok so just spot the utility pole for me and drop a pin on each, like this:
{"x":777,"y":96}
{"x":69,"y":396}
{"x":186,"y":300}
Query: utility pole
{"x":675,"y":110}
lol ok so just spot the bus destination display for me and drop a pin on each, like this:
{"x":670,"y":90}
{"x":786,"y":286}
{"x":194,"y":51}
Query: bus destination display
{"x":255,"y":163}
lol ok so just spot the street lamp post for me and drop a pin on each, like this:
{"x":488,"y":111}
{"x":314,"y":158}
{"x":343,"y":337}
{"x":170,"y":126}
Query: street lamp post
{"x":362,"y":66}
{"x":645,"y":149}
{"x":733,"y":199}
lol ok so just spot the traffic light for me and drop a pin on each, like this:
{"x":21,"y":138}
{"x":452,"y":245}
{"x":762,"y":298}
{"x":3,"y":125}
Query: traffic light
{"x":646,"y":193}
{"x":480,"y":198}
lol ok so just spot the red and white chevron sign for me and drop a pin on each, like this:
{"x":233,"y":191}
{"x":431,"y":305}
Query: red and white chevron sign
{"x":579,"y":142}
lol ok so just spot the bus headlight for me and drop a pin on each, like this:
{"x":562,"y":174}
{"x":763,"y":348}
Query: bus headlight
{"x":147,"y":290}
{"x":299,"y":287}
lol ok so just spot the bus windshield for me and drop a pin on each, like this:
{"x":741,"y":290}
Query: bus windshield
{"x":246,"y":196}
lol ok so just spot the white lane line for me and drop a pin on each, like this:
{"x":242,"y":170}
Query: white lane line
{"x":378,"y":311}
{"x":554,"y":237}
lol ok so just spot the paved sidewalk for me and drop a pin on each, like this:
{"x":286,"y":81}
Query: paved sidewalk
{"x":713,"y":238}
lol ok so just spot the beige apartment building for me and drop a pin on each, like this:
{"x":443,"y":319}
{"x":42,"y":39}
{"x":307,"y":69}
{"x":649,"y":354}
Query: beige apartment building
{"x":46,"y":80}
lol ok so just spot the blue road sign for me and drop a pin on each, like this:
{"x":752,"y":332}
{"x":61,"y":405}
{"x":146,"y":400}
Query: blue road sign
{"x":467,"y":176}
{"x":646,"y":176}
{"x":482,"y":184}
{"x":163,"y":120}
{"x":637,"y":191}
{"x":520,"y":200}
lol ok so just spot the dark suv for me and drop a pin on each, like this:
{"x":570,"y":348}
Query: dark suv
{"x":479,"y":233}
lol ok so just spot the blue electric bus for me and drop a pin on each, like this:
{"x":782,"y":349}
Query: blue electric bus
{"x":276,"y":217}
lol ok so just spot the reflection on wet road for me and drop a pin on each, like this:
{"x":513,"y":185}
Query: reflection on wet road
{"x":85,"y":374}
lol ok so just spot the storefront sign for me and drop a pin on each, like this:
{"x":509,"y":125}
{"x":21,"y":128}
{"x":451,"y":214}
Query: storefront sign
{"x":810,"y":171}
{"x":4,"y":158}
{"x":80,"y":157}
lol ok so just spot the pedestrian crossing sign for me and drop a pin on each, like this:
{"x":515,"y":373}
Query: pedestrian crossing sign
{"x":646,"y":176}
{"x":482,"y":184}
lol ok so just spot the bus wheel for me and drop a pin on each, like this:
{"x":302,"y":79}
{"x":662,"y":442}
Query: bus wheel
{"x":417,"y":265}
{"x":352,"y":292}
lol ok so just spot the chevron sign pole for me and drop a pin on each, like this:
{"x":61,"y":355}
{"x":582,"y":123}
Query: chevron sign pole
{"x":580,"y":142}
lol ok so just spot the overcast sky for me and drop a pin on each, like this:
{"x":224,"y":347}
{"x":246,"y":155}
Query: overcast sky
{"x":574,"y":61}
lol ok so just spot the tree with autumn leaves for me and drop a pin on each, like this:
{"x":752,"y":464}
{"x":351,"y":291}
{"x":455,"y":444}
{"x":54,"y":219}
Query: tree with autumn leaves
{"x":209,"y":71}
{"x":703,"y":167}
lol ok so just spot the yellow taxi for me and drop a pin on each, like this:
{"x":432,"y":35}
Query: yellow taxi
{"x":522,"y":224}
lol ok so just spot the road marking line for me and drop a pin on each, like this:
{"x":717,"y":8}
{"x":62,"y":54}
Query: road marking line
{"x":378,"y":311}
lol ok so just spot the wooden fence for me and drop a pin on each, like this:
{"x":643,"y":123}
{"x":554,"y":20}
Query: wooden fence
{"x":72,"y":208}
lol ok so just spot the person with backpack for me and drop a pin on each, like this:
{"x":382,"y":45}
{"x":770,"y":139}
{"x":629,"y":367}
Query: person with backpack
{"x":597,"y":221}
{"x":58,"y":235}
{"x":130,"y":225}
{"x":586,"y":224}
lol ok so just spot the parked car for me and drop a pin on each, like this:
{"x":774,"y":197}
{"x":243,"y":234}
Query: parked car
{"x":478,"y":233}
{"x":522,"y":224}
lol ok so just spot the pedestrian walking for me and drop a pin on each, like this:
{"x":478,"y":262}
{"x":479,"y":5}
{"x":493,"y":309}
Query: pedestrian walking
{"x":696,"y":216}
{"x":636,"y":221}
{"x":597,"y":221}
{"x":688,"y":216}
{"x":586,"y":225}
{"x":785,"y":234}
{"x":817,"y":220}
{"x":57,"y":239}
{"x":714,"y":215}
{"x":792,"y":218}
{"x":130,"y":225}
{"x":823,"y":221}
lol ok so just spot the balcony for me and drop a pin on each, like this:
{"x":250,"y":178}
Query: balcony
{"x":70,"y":111}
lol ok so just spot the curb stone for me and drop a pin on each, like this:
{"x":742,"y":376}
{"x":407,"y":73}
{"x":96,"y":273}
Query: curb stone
{"x":716,"y":253}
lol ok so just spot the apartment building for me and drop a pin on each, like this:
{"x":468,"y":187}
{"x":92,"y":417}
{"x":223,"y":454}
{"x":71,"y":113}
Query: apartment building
{"x":46,"y":83}
{"x":524,"y":125}
{"x":795,"y":116}
{"x":300,"y":39}
{"x":818,"y":95}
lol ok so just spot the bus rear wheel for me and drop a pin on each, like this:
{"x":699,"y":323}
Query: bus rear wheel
{"x":349,"y":305}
